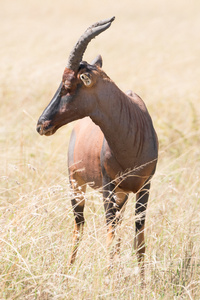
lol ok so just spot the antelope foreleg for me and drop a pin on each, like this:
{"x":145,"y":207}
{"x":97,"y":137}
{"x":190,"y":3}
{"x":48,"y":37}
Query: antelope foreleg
{"x":77,"y":235}
{"x":114,"y":204}
{"x":78,"y":208}
{"x":121,"y":198}
{"x":140,"y":211}
{"x":139,"y":246}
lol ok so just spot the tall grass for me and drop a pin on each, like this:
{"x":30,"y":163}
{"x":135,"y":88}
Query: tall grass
{"x":153,"y":48}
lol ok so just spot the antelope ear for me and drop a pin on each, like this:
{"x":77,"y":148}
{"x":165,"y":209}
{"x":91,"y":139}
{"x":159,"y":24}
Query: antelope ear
{"x":97,"y":61}
{"x":85,"y":77}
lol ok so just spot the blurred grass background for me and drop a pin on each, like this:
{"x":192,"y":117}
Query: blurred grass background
{"x":152,"y":48}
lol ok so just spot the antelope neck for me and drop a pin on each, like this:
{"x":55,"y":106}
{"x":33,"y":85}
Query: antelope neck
{"x":121,"y":120}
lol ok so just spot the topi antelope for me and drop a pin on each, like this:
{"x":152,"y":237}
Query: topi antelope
{"x":113,"y":146}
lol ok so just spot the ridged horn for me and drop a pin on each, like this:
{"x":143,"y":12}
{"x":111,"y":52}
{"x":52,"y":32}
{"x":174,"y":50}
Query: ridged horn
{"x":77,"y":52}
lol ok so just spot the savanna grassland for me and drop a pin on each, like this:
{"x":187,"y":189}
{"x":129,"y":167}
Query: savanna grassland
{"x":153,"y":48}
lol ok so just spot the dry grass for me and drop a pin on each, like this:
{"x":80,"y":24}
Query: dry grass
{"x":153,"y":48}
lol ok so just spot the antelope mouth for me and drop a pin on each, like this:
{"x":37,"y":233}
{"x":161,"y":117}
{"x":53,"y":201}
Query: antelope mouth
{"x":46,"y":130}
{"x":50,"y":131}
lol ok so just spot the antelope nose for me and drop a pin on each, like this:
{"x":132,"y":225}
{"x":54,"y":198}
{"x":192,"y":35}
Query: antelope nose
{"x":38,"y":128}
{"x":40,"y":125}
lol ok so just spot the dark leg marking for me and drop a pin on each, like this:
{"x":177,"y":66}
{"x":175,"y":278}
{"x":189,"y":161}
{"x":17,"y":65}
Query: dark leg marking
{"x":141,"y":206}
{"x":140,"y":211}
{"x":78,"y":208}
{"x":78,"y":203}
{"x":78,"y":212}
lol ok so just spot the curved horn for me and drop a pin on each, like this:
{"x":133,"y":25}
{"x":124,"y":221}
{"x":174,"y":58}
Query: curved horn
{"x":80,"y":47}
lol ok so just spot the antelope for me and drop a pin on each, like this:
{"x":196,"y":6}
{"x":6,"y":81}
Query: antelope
{"x":113,"y":147}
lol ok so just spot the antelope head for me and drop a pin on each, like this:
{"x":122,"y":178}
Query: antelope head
{"x":73,"y":99}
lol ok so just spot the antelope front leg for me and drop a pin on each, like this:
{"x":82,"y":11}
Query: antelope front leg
{"x":140,"y":211}
{"x":114,"y":204}
{"x":78,"y":207}
{"x":121,"y":198}
{"x":110,"y":211}
{"x":114,"y":219}
{"x":77,"y":234}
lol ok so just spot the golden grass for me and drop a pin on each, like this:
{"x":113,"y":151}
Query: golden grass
{"x":153,"y":48}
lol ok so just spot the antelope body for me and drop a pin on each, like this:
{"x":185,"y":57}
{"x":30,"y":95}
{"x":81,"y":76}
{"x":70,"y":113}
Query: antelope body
{"x":113,"y":146}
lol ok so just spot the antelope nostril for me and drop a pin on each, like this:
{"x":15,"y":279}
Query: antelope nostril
{"x":38,"y":128}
